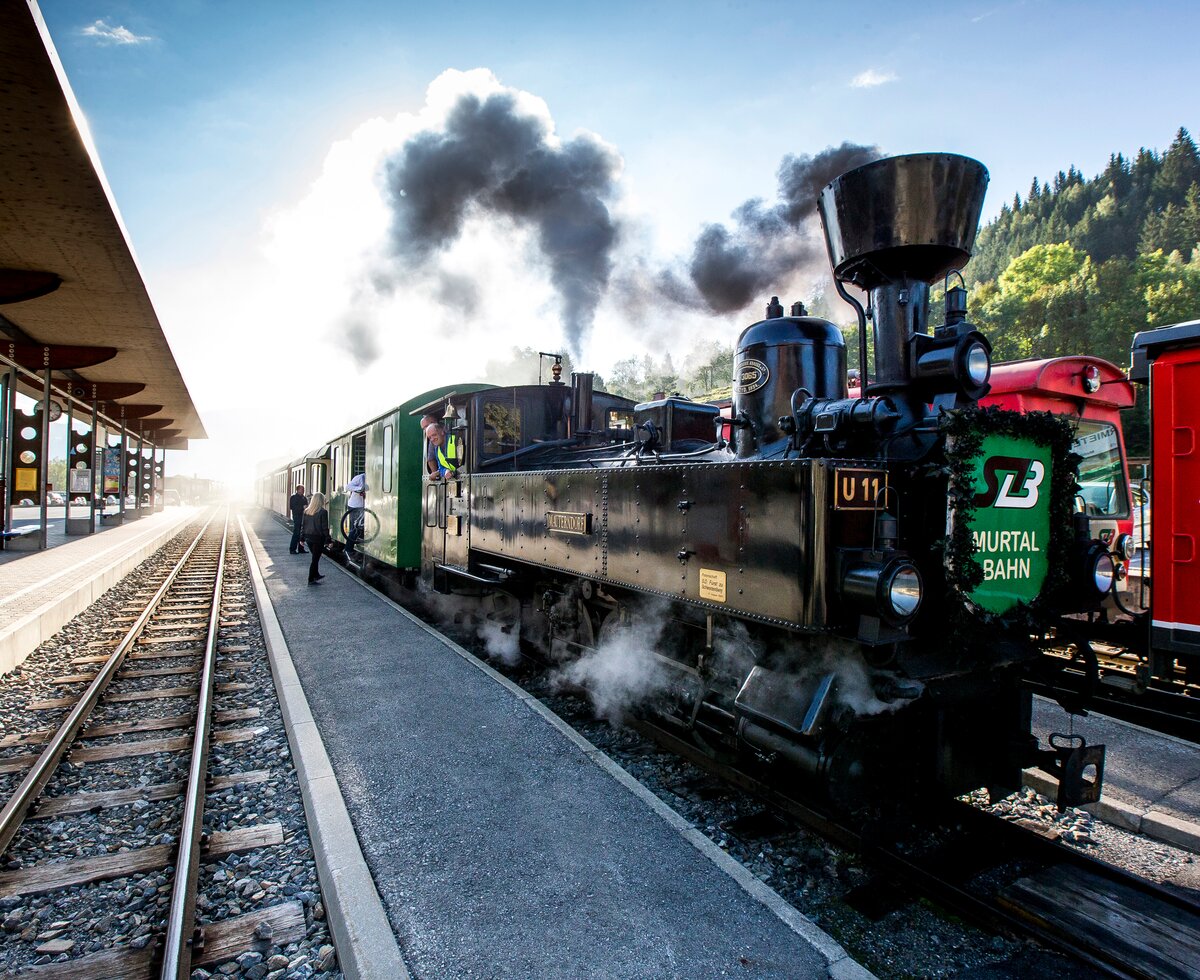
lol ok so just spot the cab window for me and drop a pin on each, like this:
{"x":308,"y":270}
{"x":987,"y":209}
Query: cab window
{"x":1102,"y":486}
{"x":501,"y":433}
{"x":620,"y":419}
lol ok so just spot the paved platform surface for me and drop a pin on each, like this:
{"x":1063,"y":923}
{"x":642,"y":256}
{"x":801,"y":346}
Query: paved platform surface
{"x":56,"y":528}
{"x":500,"y":845}
{"x":1151,"y":781}
{"x":42,"y":590}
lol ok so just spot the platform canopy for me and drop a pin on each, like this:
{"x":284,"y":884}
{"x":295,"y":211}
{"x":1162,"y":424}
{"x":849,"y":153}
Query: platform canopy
{"x":68,"y":274}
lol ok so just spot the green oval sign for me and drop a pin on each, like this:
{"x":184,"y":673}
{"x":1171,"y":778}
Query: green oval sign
{"x":1011,"y":525}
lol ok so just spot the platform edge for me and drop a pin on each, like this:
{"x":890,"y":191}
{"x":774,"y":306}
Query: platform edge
{"x":1149,"y":823}
{"x":365,"y":943}
{"x":26,"y":634}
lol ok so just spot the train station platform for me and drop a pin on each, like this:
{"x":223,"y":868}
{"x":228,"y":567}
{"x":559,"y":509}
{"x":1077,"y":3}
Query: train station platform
{"x":500,"y":843}
{"x":27,"y":520}
{"x":41,"y":590}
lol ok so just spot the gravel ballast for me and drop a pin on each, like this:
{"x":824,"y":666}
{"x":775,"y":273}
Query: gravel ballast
{"x":128,"y":912}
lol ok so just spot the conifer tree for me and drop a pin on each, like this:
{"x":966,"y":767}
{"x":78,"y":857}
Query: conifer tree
{"x":1179,"y":171}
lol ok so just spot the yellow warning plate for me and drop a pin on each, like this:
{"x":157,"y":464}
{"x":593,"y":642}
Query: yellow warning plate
{"x":712,"y":585}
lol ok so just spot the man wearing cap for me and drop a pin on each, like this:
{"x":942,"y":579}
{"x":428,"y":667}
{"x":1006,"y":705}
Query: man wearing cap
{"x":439,"y":461}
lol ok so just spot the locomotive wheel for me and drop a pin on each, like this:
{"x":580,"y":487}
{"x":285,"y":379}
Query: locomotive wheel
{"x":580,"y":636}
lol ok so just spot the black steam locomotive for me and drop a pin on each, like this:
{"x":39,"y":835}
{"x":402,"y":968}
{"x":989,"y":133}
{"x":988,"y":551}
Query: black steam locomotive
{"x":840,"y":584}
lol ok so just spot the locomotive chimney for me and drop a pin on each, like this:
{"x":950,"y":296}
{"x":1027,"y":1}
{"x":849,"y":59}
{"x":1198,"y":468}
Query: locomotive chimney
{"x":893,"y":227}
{"x":581,"y":386}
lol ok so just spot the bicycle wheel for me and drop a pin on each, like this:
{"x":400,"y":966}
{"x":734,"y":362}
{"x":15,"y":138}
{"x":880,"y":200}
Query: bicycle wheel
{"x":370,"y":526}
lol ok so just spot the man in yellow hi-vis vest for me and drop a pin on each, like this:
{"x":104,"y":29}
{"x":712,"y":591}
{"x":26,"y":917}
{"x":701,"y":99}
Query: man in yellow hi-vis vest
{"x":441,"y":455}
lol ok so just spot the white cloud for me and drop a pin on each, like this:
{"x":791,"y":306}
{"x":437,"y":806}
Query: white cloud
{"x":871,"y":78}
{"x":113,"y":35}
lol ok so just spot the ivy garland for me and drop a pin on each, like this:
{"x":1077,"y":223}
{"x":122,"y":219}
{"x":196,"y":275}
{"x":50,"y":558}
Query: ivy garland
{"x":966,"y":429}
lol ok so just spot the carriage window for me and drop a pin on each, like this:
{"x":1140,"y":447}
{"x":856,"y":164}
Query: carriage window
{"x":501,"y":430}
{"x":387,"y":459}
{"x":1101,"y":473}
{"x":620,"y":420}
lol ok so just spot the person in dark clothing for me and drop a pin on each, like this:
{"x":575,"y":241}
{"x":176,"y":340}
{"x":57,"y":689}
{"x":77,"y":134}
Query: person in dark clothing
{"x":316,"y":534}
{"x":296,"y":504}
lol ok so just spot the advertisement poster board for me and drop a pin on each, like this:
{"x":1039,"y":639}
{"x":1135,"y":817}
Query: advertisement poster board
{"x":25,"y":478}
{"x":112,"y":469}
{"x":80,"y":481}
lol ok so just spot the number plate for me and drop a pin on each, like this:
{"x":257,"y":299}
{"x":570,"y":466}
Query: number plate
{"x":855,"y":489}
{"x":568,"y":522}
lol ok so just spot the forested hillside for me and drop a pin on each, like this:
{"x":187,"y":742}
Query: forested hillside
{"x":1079,"y":266}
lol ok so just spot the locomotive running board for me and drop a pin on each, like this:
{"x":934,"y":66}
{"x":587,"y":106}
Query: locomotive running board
{"x":447,"y":570}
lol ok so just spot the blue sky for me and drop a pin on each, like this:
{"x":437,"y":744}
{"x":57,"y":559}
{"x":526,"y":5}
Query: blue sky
{"x":213,"y":119}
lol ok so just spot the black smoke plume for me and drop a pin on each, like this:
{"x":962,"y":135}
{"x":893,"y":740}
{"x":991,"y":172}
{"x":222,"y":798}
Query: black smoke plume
{"x":768,"y":245}
{"x":493,"y":159}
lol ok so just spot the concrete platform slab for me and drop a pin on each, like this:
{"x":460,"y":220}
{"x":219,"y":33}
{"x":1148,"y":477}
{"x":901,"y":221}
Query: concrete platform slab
{"x":40,"y":591}
{"x":502,"y":843}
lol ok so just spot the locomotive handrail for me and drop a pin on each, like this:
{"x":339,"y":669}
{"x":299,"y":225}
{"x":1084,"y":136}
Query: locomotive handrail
{"x":538,"y":447}
{"x":627,"y":457}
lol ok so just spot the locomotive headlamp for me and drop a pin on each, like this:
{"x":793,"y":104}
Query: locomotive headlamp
{"x":953,"y":360}
{"x":892,"y":591}
{"x":1104,"y":571}
{"x":904,"y":590}
{"x":1091,"y":379}
{"x":977,"y":362}
{"x":1125,"y":546}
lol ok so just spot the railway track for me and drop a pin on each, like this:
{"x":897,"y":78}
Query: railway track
{"x":184,"y":633}
{"x":1115,"y":681}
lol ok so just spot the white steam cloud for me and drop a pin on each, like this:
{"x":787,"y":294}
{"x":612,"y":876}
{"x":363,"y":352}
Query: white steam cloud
{"x":622,"y":672}
{"x":502,"y":642}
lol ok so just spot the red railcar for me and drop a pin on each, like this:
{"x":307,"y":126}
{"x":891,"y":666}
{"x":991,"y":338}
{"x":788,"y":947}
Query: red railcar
{"x":1093,"y":391}
{"x":1168,"y":360}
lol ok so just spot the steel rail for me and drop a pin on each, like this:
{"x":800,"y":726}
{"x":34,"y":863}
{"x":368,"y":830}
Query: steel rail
{"x":181,"y":919}
{"x":15,"y":811}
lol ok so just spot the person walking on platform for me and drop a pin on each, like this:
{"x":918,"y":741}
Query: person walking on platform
{"x":316,"y":534}
{"x":296,"y":503}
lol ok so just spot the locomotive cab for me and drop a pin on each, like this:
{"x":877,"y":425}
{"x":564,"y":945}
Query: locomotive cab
{"x":504,"y":430}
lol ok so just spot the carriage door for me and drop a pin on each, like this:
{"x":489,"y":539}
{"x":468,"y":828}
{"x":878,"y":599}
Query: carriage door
{"x":433,"y":534}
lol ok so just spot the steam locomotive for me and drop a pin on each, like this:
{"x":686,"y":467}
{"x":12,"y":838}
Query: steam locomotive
{"x":844,"y":589}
